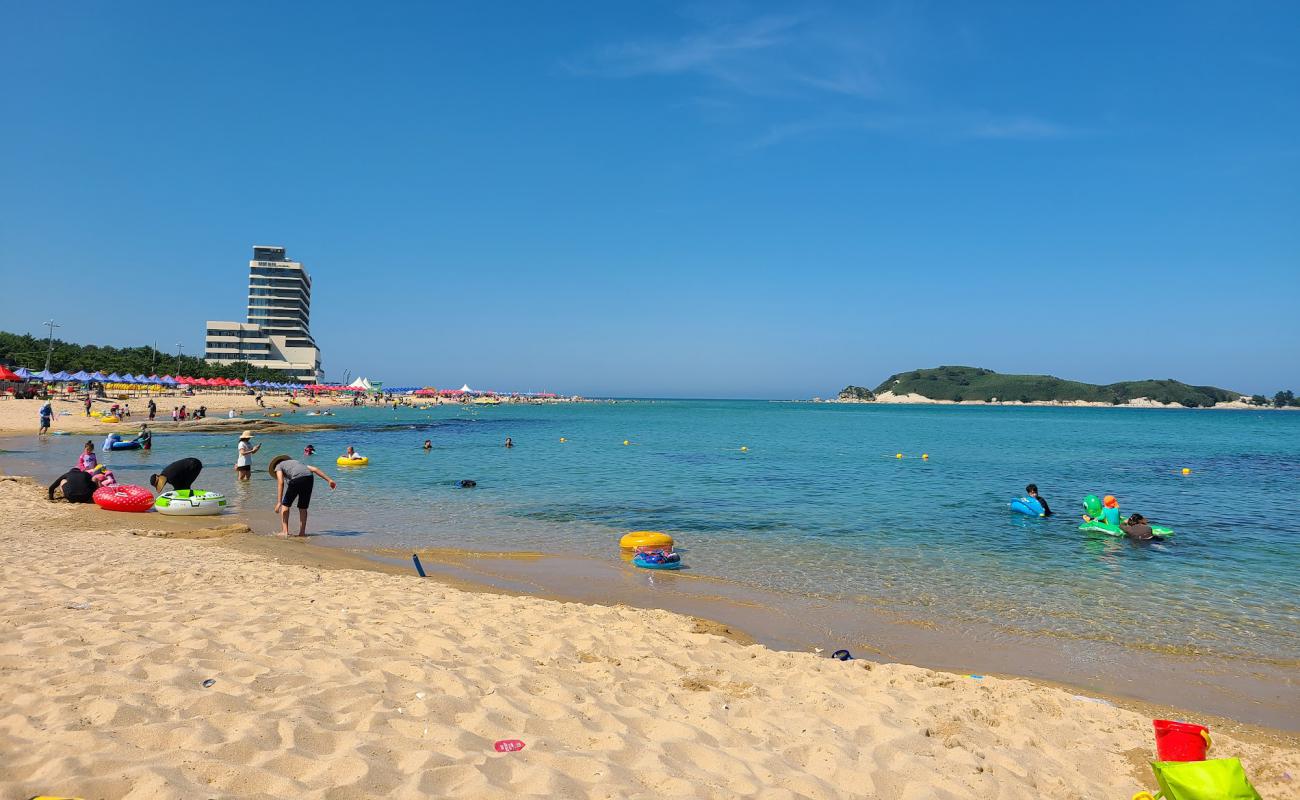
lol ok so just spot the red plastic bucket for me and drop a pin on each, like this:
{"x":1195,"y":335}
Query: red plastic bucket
{"x":1181,"y":741}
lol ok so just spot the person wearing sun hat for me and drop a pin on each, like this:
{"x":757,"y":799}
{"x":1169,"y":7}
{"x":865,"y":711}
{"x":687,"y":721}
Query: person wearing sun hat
{"x":244,"y":462}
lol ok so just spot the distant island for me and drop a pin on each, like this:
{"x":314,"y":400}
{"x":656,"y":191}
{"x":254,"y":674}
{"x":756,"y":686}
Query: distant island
{"x":975,"y":385}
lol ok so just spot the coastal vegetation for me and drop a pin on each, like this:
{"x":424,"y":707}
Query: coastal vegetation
{"x":856,"y":393}
{"x":957,"y":384}
{"x":28,"y":351}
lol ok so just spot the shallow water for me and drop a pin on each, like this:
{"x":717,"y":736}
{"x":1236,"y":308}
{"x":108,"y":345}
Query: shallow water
{"x":819,"y":506}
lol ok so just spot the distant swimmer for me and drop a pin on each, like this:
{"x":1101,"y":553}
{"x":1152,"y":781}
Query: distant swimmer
{"x":1032,"y":491}
{"x":509,"y":442}
{"x":468,"y":484}
{"x":428,"y":444}
{"x":309,"y":450}
{"x":352,"y":453}
{"x":76,"y":486}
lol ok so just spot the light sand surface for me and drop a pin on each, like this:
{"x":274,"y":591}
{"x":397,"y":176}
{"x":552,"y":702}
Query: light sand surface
{"x":342,"y":683}
{"x":23,"y":416}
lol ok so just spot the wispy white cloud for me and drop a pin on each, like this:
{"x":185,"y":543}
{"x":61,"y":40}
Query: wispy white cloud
{"x":707,"y":52}
{"x":1016,"y":127}
{"x":766,"y":56}
{"x":823,"y":75}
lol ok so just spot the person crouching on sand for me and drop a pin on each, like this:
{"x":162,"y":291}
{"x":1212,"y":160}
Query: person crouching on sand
{"x":294,"y":481}
{"x":76,"y":486}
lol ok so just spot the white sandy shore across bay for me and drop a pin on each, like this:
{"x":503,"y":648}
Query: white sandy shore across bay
{"x":345,"y":683}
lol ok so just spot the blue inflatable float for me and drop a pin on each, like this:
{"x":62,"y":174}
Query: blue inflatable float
{"x":114,"y":442}
{"x":657,"y":560}
{"x":1028,"y":506}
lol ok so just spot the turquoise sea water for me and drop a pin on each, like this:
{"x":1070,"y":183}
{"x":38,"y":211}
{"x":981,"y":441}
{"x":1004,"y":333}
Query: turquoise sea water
{"x":819,"y":505}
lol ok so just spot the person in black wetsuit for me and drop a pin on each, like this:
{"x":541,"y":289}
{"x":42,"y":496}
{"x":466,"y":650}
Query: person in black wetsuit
{"x":76,"y":484}
{"x":180,"y":474}
{"x":1032,"y":491}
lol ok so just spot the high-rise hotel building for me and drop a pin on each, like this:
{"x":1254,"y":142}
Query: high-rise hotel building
{"x":277,"y":334}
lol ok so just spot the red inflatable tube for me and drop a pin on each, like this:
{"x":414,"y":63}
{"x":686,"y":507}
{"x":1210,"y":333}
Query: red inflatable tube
{"x":123,"y":498}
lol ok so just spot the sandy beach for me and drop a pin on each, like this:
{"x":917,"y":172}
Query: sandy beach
{"x":22,"y":416}
{"x":331,"y":681}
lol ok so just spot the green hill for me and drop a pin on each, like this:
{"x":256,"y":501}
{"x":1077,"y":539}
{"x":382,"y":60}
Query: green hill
{"x":973,"y":383}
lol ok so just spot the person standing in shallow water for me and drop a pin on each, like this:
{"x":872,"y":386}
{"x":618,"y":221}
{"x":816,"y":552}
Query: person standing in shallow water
{"x":294,"y":481}
{"x":244,"y":461}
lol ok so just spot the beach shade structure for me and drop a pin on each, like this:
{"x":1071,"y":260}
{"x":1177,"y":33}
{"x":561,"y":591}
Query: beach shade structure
{"x":168,"y":380}
{"x":23,"y":372}
{"x":59,"y":376}
{"x":44,"y":375}
{"x":80,"y":376}
{"x":7,"y":374}
{"x":112,"y":377}
{"x":98,"y":376}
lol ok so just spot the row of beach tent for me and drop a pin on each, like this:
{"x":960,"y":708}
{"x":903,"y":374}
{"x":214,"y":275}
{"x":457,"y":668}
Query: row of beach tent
{"x":359,"y":385}
{"x":158,"y":380}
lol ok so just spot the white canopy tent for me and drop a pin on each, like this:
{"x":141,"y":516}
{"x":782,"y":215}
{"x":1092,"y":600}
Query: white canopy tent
{"x":360,"y":383}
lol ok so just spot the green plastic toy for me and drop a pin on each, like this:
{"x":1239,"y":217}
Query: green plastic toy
{"x":1215,"y":779}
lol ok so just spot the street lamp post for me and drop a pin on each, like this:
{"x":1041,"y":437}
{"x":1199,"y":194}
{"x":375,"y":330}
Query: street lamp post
{"x":49,"y":347}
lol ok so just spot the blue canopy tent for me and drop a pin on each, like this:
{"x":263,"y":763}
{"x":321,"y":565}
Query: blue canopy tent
{"x":167,"y":380}
{"x":80,"y":376}
{"x":112,"y":377}
{"x":44,"y":375}
{"x":98,"y":376}
{"x":23,"y":373}
{"x":129,"y":378}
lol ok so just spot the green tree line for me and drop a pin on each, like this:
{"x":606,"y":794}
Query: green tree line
{"x":28,"y":351}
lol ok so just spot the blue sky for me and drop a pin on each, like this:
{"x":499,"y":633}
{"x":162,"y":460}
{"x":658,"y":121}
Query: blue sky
{"x":723,"y":200}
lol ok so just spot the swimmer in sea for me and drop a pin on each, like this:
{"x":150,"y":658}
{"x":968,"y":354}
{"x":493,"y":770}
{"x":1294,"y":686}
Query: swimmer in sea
{"x":428,"y":444}
{"x":509,"y":442}
{"x":1137,"y":528}
{"x":1032,"y":491}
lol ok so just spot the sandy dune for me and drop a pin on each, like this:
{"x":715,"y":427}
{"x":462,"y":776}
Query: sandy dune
{"x":345,"y":683}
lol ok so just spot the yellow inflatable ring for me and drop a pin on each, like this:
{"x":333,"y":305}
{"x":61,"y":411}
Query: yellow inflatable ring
{"x":109,"y":419}
{"x":637,"y":539}
{"x":344,"y":461}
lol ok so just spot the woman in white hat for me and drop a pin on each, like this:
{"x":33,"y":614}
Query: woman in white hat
{"x":244,"y":464}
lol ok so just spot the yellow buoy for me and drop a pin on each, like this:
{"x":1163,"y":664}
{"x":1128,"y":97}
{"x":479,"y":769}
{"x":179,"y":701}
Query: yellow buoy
{"x":898,"y":455}
{"x":925,"y":455}
{"x":1186,"y":471}
{"x":626,"y":442}
{"x":645,"y":539}
{"x":562,"y":439}
{"x":744,"y":449}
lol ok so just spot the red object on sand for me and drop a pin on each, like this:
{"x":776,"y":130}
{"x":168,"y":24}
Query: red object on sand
{"x":1181,"y":741}
{"x":123,"y":498}
{"x":508,"y":746}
